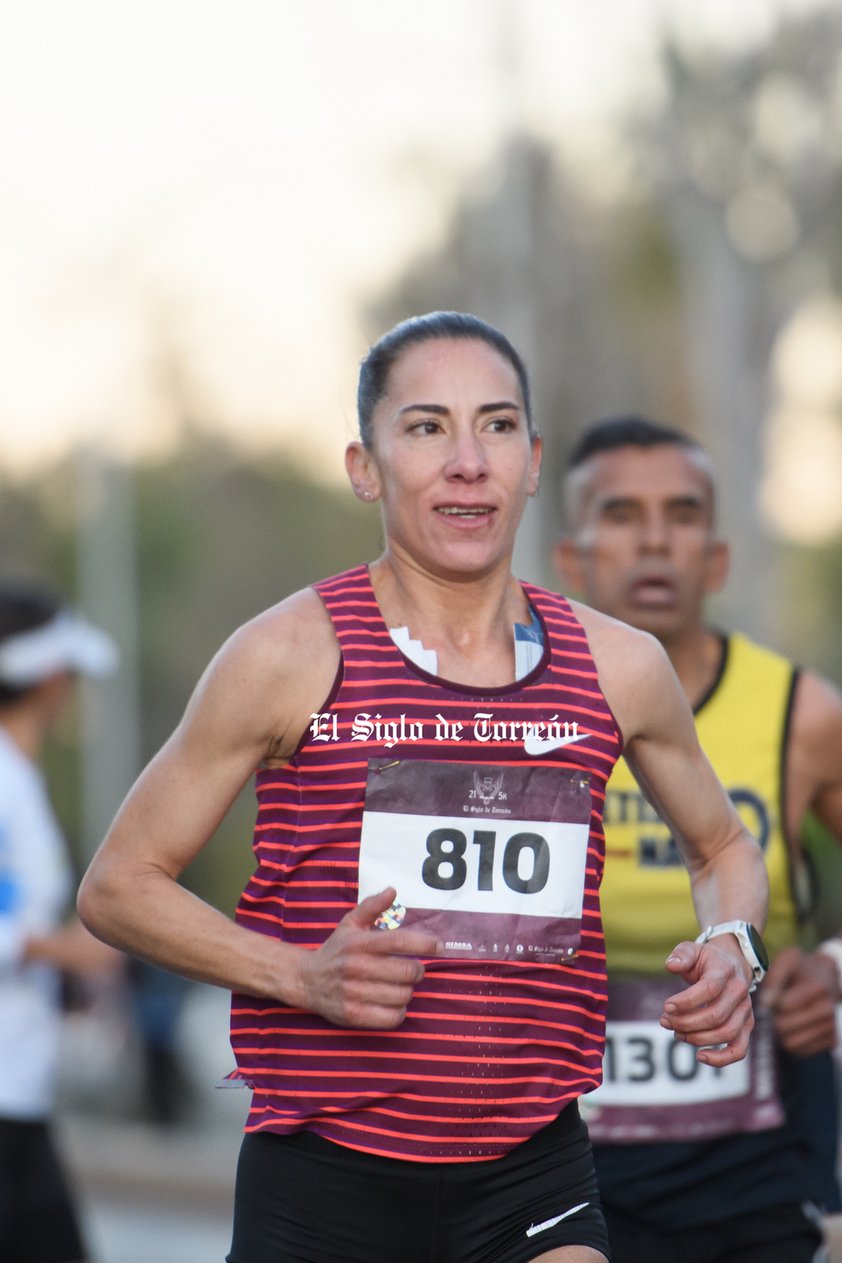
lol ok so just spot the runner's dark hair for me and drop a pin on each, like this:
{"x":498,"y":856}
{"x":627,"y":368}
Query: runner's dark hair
{"x":434,"y":326}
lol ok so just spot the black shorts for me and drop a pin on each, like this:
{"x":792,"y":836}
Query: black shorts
{"x":301,"y":1199}
{"x":37,"y":1220}
{"x":777,"y":1234}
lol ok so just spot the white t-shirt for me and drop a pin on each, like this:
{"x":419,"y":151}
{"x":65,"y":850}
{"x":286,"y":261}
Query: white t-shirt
{"x":35,"y":885}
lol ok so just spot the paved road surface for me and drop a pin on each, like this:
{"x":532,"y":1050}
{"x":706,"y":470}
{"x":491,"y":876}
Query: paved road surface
{"x":130,"y":1232}
{"x":151,"y":1194}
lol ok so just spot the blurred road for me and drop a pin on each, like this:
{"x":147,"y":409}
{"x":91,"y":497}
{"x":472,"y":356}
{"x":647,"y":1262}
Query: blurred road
{"x":123,"y":1232}
{"x":149,"y":1193}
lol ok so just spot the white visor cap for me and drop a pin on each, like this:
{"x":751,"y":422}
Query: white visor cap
{"x":68,"y":642}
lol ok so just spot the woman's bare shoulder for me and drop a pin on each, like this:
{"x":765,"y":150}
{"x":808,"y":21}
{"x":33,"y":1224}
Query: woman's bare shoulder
{"x":608,"y":636}
{"x":632,"y":666}
{"x":279,"y":636}
{"x":271,"y":674}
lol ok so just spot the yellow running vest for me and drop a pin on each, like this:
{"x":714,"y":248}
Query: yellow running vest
{"x":645,"y":893}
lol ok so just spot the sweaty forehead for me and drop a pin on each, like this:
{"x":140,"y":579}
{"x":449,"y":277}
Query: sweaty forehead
{"x":648,"y":475}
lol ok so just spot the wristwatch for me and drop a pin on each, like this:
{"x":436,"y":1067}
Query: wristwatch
{"x":751,"y":945}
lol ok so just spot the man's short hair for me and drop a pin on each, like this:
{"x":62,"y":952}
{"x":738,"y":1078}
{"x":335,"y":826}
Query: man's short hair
{"x":626,"y":431}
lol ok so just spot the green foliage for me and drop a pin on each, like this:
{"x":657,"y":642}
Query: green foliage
{"x":218,"y":538}
{"x":811,"y":580}
{"x":825,"y":858}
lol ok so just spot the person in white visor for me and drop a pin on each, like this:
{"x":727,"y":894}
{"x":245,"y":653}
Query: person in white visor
{"x":44,"y":646}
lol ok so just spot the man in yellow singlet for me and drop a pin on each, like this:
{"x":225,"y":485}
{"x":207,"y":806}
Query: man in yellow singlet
{"x":703,"y":1167}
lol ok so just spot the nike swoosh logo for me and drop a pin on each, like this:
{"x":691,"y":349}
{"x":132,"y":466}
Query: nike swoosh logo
{"x":541,"y":745}
{"x":550,"y":1223}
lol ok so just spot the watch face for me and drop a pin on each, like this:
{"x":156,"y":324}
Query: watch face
{"x":758,"y":945}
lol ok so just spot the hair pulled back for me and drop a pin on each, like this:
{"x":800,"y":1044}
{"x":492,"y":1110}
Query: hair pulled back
{"x":434,"y":326}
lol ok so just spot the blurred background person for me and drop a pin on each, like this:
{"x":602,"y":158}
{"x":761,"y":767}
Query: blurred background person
{"x":695,"y":1167}
{"x":158,"y":998}
{"x":44,"y":646}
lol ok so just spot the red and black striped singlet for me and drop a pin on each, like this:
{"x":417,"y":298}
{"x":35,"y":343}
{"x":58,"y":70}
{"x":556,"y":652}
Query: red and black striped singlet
{"x":490,"y":1051}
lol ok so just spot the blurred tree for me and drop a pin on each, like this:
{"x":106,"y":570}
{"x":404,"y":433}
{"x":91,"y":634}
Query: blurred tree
{"x":219,"y":537}
{"x":528,"y":252}
{"x":744,"y":159}
{"x":811,"y":579}
{"x":669,"y":298}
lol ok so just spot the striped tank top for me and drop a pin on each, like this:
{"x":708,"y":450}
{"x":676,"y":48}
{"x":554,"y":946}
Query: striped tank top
{"x":490,"y":1050}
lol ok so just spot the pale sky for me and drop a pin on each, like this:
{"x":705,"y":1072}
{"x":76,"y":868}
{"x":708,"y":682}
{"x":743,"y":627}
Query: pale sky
{"x":243,"y":174}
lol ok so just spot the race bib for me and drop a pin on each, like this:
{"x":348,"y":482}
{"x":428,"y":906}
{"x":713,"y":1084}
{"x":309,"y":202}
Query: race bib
{"x":653,"y":1087}
{"x":489,"y":859}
